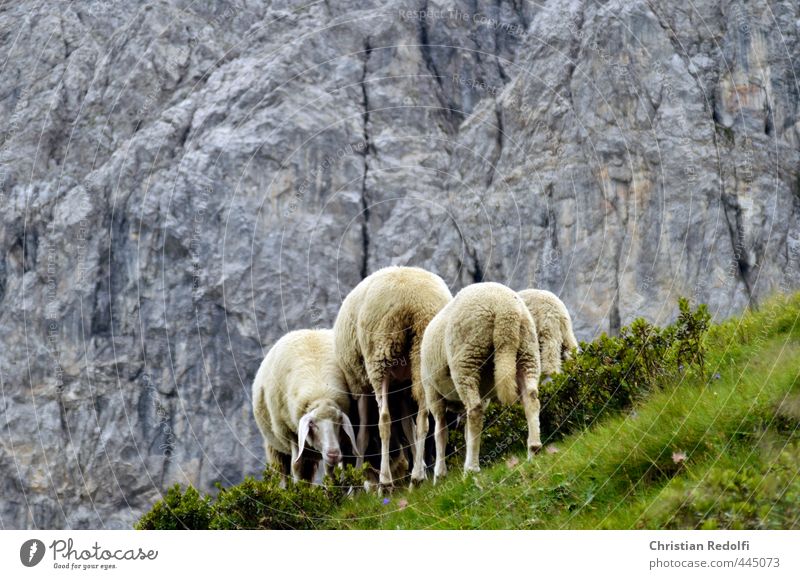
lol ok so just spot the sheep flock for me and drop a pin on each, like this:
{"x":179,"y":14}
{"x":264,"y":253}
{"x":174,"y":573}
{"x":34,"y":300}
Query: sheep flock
{"x":402,"y":350}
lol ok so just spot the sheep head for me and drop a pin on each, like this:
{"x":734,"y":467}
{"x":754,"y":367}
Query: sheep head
{"x":320,"y":428}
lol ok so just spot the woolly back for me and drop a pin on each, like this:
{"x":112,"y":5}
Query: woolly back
{"x":485,"y":321}
{"x":397,"y":306}
{"x":302,"y":363}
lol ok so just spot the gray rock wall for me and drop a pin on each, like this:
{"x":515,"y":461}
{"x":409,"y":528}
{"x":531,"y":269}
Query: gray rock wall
{"x":182,"y":184}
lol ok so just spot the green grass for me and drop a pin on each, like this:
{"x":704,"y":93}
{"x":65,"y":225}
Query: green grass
{"x":715,"y":451}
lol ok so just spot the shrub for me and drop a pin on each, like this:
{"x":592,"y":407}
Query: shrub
{"x":263,"y":504}
{"x":611,"y":373}
{"x":690,"y":331}
{"x":178,"y":510}
{"x":254,"y":504}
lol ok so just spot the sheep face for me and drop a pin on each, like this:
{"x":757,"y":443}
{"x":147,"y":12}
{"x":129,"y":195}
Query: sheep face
{"x":320,"y":429}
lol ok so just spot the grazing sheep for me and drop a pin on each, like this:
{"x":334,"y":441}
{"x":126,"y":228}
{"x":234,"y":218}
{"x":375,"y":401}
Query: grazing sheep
{"x":553,"y":326}
{"x":482,"y":345}
{"x":300,"y":399}
{"x":378,"y":335}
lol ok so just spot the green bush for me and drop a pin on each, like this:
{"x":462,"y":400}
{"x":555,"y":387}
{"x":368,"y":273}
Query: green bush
{"x":178,"y":510}
{"x":263,"y":504}
{"x":609,"y":374}
{"x":254,"y":504}
{"x":612,"y":373}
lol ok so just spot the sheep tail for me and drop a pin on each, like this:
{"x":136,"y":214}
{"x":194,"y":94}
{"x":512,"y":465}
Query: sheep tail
{"x":506,"y":344}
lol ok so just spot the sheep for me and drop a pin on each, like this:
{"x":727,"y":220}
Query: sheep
{"x":300,"y":399}
{"x":553,"y":326}
{"x":482,"y":345}
{"x":378,"y":335}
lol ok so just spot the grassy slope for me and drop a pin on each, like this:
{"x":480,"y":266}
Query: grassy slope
{"x":738,"y":429}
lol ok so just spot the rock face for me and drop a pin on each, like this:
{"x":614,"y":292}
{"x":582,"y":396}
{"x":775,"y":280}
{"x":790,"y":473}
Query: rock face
{"x":183,"y":184}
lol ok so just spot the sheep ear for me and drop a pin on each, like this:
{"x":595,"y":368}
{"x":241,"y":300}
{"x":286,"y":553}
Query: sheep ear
{"x":302,"y":434}
{"x":348,"y":429}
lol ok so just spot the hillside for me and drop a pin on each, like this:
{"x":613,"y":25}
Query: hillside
{"x":720,"y":451}
{"x":714,"y":446}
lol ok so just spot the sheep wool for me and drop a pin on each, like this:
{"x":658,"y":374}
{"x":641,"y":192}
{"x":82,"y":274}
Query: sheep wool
{"x":299,"y":378}
{"x":378,"y":336}
{"x":554,"y":328}
{"x":482,"y":345}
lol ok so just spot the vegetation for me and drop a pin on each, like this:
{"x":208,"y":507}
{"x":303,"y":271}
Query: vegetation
{"x":254,"y":504}
{"x":689,"y":426}
{"x":748,"y":490}
{"x":178,"y":510}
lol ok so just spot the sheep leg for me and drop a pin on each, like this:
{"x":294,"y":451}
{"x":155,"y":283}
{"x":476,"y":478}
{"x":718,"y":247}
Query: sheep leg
{"x":418,"y":473}
{"x":385,"y":431}
{"x":362,"y":439}
{"x":469,"y":390}
{"x":440,"y":437}
{"x":473,"y":431}
{"x":530,"y":402}
{"x":277,"y":461}
{"x":399,"y":465}
{"x":273,"y":457}
{"x":467,"y":382}
{"x":407,"y":423}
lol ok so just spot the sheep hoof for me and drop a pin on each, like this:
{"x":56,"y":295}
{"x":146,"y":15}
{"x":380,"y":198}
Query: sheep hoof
{"x":417,"y":480}
{"x":470,"y":470}
{"x":533,"y":449}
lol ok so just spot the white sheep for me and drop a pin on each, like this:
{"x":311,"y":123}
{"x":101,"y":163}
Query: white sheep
{"x":482,"y":345}
{"x":378,"y":336}
{"x":553,"y":326}
{"x":300,"y":399}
